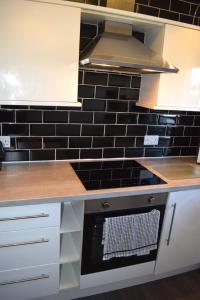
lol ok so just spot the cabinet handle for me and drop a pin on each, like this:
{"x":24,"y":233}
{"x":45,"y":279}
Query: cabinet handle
{"x":24,"y":217}
{"x":41,"y":241}
{"x":43,"y":276}
{"x":171,"y":225}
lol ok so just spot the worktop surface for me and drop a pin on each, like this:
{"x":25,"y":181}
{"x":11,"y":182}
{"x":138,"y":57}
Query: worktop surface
{"x":28,"y":183}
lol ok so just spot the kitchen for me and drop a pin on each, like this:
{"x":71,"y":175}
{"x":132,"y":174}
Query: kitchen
{"x":82,"y":145}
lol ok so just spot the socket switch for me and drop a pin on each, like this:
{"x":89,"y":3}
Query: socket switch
{"x":151,"y":140}
{"x":5,"y":141}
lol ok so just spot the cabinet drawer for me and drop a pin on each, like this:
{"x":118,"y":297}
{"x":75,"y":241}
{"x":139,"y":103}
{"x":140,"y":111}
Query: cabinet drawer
{"x":29,"y":216}
{"x":26,"y":248}
{"x":29,"y":282}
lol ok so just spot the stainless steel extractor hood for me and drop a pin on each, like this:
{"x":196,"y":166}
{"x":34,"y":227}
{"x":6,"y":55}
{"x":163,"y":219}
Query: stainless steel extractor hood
{"x":118,"y":50}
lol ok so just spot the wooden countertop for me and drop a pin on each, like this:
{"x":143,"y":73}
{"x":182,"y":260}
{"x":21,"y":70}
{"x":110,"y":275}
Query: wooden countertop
{"x":28,"y":183}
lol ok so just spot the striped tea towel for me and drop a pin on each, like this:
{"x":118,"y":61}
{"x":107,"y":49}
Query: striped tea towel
{"x":130,"y":235}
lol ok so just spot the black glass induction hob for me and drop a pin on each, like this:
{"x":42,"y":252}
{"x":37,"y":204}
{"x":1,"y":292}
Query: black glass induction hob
{"x":114,"y":174}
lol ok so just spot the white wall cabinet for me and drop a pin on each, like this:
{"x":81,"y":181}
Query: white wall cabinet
{"x":180,"y":91}
{"x":39,"y":53}
{"x":180,"y":242}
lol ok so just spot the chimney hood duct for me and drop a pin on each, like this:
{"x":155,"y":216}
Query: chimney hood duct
{"x":118,"y":50}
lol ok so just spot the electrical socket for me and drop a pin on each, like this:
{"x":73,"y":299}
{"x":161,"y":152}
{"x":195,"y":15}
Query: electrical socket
{"x":151,"y":140}
{"x":5,"y":141}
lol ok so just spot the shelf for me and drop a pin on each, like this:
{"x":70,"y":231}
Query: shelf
{"x":70,"y":247}
{"x":72,"y":217}
{"x":69,"y":275}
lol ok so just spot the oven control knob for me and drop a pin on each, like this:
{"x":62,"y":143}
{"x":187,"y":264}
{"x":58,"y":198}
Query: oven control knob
{"x":105,"y":204}
{"x":151,"y":199}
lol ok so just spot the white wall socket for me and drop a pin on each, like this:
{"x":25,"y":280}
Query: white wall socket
{"x":5,"y":141}
{"x":151,"y":140}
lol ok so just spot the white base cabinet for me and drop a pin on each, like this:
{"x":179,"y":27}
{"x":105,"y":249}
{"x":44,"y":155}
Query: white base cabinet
{"x":29,"y":251}
{"x":29,"y":283}
{"x":180,"y":242}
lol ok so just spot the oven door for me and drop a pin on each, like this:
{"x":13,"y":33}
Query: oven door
{"x":92,"y":254}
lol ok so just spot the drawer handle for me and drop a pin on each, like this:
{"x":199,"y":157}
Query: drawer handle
{"x":24,"y":217}
{"x":43,"y":276}
{"x":41,"y":241}
{"x":171,"y":225}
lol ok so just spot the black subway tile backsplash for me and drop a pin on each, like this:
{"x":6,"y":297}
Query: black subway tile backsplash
{"x":109,"y":124}
{"x":28,"y":116}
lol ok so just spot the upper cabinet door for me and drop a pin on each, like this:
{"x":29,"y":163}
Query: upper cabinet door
{"x":39,"y":53}
{"x":181,"y":46}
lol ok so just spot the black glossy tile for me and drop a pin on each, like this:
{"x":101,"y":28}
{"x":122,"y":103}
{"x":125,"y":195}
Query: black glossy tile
{"x":119,"y":80}
{"x":128,"y":94}
{"x":153,"y":152}
{"x":197,"y":121}
{"x":90,"y":153}
{"x":107,"y":92}
{"x":67,"y":154}
{"x":68,"y":130}
{"x":104,"y":118}
{"x":134,"y":152}
{"x":80,"y":77}
{"x":80,"y":142}
{"x":14,"y":107}
{"x":16,"y":155}
{"x":134,"y":108}
{"x":169,"y":15}
{"x":96,"y":78}
{"x":42,"y":129}
{"x":55,"y":142}
{"x":173,"y":151}
{"x":113,"y":152}
{"x":136,"y":82}
{"x":142,"y":1}
{"x":147,"y":119}
{"x":195,"y":141}
{"x":147,"y":10}
{"x":15,"y":129}
{"x":165,"y":142}
{"x":117,"y":106}
{"x":85,"y":43}
{"x":115,"y":130}
{"x":55,"y":116}
{"x":81,"y":117}
{"x":167,"y":120}
{"x":85,"y":91}
{"x":7,"y":116}
{"x":103,"y":142}
{"x":187,"y":151}
{"x":28,"y":116}
{"x":42,"y":155}
{"x":40,"y":107}
{"x":94,"y":105}
{"x":180,"y":6}
{"x":29,"y":143}
{"x":175,"y":131}
{"x":185,"y":120}
{"x":156,"y":130}
{"x":186,"y":19}
{"x":160,"y":3}
{"x":136,"y":130}
{"x":127,"y":141}
{"x":192,"y":131}
{"x":128,"y":118}
{"x":181,"y":141}
{"x":92,"y":130}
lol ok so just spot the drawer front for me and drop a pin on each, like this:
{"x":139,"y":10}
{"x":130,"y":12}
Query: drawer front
{"x":27,"y":248}
{"x":29,"y":216}
{"x":29,"y":282}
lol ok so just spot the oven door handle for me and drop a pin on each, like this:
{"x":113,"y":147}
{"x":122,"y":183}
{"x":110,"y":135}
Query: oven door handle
{"x":171,"y":225}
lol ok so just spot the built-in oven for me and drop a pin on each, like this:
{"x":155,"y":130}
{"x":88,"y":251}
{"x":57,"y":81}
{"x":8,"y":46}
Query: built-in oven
{"x":97,"y":212}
